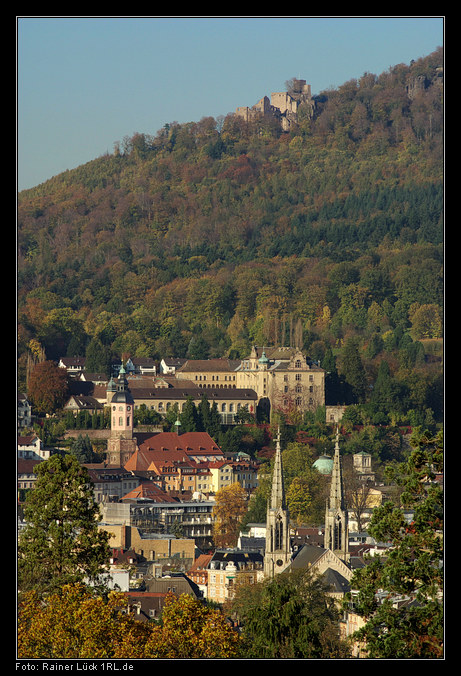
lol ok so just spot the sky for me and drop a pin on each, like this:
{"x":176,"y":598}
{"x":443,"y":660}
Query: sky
{"x":86,"y":83}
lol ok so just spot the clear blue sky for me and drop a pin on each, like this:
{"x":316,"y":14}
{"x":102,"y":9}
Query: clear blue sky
{"x":84,"y":83}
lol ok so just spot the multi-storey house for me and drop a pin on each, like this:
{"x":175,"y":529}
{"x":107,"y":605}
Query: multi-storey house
{"x":283,"y":378}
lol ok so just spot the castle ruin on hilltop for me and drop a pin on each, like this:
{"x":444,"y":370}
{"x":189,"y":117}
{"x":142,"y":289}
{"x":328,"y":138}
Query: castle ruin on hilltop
{"x":282,"y":106}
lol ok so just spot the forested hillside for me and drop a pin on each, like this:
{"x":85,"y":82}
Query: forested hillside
{"x":206,"y":237}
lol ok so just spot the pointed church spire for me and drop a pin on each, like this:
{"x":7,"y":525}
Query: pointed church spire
{"x":337,"y":486}
{"x":336,"y":517}
{"x":277,"y":500}
{"x":277,"y":555}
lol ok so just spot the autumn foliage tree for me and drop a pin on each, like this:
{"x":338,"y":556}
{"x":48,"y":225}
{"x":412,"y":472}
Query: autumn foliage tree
{"x":77,"y":623}
{"x":190,"y":629}
{"x":47,"y":386}
{"x":229,"y":510}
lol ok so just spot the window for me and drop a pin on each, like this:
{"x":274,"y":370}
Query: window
{"x":298,"y":376}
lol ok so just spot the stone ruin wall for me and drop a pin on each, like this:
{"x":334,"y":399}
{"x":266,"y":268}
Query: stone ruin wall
{"x":282,"y":105}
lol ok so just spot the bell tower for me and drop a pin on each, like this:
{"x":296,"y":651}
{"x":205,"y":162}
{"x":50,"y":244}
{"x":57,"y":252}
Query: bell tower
{"x":277,"y":555}
{"x":121,"y":445}
{"x":336,"y":520}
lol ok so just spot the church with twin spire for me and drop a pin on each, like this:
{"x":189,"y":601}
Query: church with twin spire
{"x":333,"y":560}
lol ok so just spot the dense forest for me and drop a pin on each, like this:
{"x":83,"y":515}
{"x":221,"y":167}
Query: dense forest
{"x":207,"y":237}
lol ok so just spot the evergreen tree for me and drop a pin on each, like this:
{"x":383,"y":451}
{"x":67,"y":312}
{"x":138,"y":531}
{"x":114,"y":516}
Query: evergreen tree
{"x":412,"y":567}
{"x":189,"y":417}
{"x":204,"y":413}
{"x":61,"y":543}
{"x":386,"y":395}
{"x":98,"y":357}
{"x":288,"y":617}
{"x":353,"y":372}
{"x":82,"y":449}
{"x":214,"y":425}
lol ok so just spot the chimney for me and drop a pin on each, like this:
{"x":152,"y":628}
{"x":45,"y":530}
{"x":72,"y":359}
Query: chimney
{"x":125,"y":537}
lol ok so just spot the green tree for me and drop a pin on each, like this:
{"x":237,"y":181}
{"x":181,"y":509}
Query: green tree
{"x":82,"y":449}
{"x":209,"y":419}
{"x":386,"y":395}
{"x":98,"y":357}
{"x":61,"y":543}
{"x":189,"y":417}
{"x":353,"y":371}
{"x":426,"y":321}
{"x":412,"y":567}
{"x":288,"y":617}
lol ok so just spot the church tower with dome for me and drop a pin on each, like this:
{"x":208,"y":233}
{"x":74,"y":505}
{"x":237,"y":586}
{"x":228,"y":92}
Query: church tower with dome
{"x":121,"y":445}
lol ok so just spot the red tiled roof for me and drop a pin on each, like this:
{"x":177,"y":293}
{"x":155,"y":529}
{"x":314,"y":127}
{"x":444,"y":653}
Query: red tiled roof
{"x":27,"y":466}
{"x":201,"y":562}
{"x":149,"y":491}
{"x":195,"y":442}
{"x":173,"y":447}
{"x":27,"y":441}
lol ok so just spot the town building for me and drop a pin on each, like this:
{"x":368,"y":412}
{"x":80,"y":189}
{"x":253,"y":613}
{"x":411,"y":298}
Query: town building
{"x":228,"y":399}
{"x":110,"y":484}
{"x":30,"y":447}
{"x":230,"y":567}
{"x":283,"y":379}
{"x":150,"y":546}
{"x":198,"y":573}
{"x":192,"y":518}
{"x":24,"y":411}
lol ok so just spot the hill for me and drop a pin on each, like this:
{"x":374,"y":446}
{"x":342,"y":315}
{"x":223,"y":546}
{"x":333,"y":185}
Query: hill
{"x":206,"y":237}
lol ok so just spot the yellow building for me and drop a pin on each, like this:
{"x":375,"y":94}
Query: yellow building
{"x":229,"y":400}
{"x":210,"y":373}
{"x":229,"y":568}
{"x":283,"y":378}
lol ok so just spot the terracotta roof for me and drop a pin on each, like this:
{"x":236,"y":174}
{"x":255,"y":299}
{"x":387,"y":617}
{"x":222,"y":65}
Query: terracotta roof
{"x":27,"y":466}
{"x":27,"y":441}
{"x":170,"y":446}
{"x":187,"y":443}
{"x":201,"y":562}
{"x":148,"y":491}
